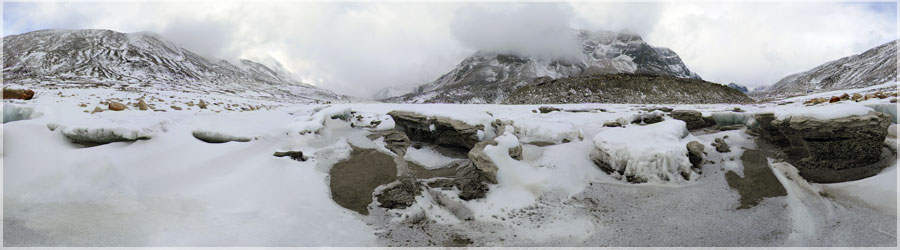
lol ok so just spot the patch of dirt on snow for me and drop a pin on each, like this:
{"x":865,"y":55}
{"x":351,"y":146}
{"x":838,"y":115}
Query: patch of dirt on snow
{"x":759,"y":182}
{"x":353,"y":180}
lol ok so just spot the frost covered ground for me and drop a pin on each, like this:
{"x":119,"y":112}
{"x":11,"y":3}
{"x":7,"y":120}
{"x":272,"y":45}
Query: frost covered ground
{"x":170,"y":189}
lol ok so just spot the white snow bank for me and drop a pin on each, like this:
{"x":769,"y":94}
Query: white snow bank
{"x":172,"y":190}
{"x":879,"y":191}
{"x":518,"y":183}
{"x":822,"y":112}
{"x":12,"y":112}
{"x":530,"y":131}
{"x":316,"y":121}
{"x":655,"y":152}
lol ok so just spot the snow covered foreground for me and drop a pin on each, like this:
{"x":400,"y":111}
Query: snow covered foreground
{"x":171,"y":189}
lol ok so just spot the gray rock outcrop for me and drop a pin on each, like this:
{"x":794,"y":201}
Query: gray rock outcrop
{"x":827,"y":151}
{"x":693,"y":118}
{"x":438,"y":130}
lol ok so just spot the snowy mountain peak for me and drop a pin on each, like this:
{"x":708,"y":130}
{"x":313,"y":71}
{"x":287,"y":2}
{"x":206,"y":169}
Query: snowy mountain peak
{"x":489,"y":77}
{"x":143,"y":59}
{"x":872,"y":67}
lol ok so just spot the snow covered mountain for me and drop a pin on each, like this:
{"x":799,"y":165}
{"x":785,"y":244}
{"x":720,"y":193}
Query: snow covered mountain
{"x":489,"y":77}
{"x":873,"y":67}
{"x":141,"y":60}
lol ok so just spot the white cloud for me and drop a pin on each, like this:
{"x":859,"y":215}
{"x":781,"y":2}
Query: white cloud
{"x":531,"y":29}
{"x":359,"y":48}
{"x":757,"y":44}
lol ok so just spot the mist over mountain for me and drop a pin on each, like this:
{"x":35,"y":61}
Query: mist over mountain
{"x":489,"y":76}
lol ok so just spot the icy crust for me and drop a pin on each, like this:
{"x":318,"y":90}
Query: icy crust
{"x":823,"y":112}
{"x":316,"y":121}
{"x":12,"y":112}
{"x":102,"y":135}
{"x":651,"y":153}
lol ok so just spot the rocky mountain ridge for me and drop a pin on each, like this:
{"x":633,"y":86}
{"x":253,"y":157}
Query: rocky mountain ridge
{"x":872,"y":67}
{"x":110,"y":58}
{"x":489,"y":77}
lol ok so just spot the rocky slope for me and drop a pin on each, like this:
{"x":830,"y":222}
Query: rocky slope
{"x":140,"y":60}
{"x":873,"y":67}
{"x":626,"y":88}
{"x":488,"y":77}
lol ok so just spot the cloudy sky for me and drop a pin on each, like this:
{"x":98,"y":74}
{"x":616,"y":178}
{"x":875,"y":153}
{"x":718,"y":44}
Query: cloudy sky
{"x":359,"y":48}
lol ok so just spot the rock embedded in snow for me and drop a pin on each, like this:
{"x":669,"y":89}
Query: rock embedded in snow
{"x":693,"y":118}
{"x":98,"y":136}
{"x":97,"y":110}
{"x":471,"y":181}
{"x":399,"y":195}
{"x":721,"y":146}
{"x":547,"y":109}
{"x":175,"y":107}
{"x":648,"y":118}
{"x":143,"y":105}
{"x":202,"y":104}
{"x":833,"y":149}
{"x":695,"y":153}
{"x":612,"y":124}
{"x":23,"y":94}
{"x":484,"y":163}
{"x":116,"y":106}
{"x":397,"y":142}
{"x":294,"y":155}
{"x":651,"y":153}
{"x":217,"y":137}
{"x":439,"y":130}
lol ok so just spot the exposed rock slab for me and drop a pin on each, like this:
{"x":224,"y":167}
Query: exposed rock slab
{"x":693,"y":118}
{"x":826,"y":151}
{"x":438,"y":130}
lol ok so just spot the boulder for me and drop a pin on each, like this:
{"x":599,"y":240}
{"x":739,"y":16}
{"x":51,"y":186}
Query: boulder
{"x":547,"y":109}
{"x":612,"y":124}
{"x":116,"y":106}
{"x":395,"y":141}
{"x":695,"y":153}
{"x":202,"y":104}
{"x":845,"y":97}
{"x":828,"y":151}
{"x":721,"y":146}
{"x":97,"y":110}
{"x":399,"y":195}
{"x":648,"y":118}
{"x":834,"y":99}
{"x":693,"y":118}
{"x":175,"y":107}
{"x":23,"y":94}
{"x":294,"y":155}
{"x":143,"y":105}
{"x":856,"y":97}
{"x":438,"y":130}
